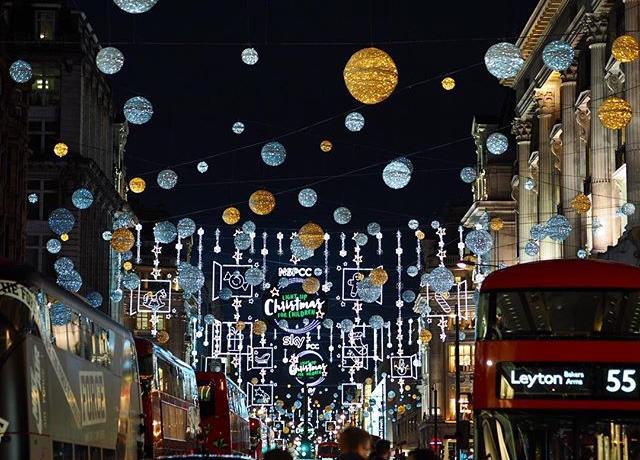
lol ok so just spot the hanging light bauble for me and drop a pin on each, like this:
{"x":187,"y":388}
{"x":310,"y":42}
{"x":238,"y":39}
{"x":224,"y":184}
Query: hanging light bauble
{"x":326,"y":146}
{"x":240,"y":326}
{"x":531,"y":248}
{"x":378,"y":276}
{"x":354,"y":122}
{"x":397,"y":173}
{"x":503,"y":60}
{"x":262,"y":202}
{"x":82,"y":198}
{"x":109,"y":60}
{"x":370,"y":75}
{"x":558,"y":227}
{"x":20,"y":71}
{"x":311,"y":236}
{"x":135,"y":6}
{"x":249,"y":56}
{"x":479,"y":241}
{"x":468,"y":174}
{"x":162,"y":337}
{"x":497,"y":143}
{"x":307,"y":197}
{"x":259,"y":327}
{"x":311,"y":285}
{"x":167,"y":179}
{"x":122,"y":240}
{"x":61,"y":220}
{"x":342,"y":215}
{"x":61,"y":149}
{"x":425,"y":336}
{"x":615,"y":113}
{"x":581,"y":203}
{"x":137,"y":185}
{"x":273,"y":153}
{"x":625,"y":48}
{"x":496,"y":224}
{"x":558,"y":55}
{"x":138,"y":110}
{"x":448,"y":83}
{"x":231,"y":216}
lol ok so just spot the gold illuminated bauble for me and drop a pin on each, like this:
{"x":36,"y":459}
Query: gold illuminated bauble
{"x":61,"y":149}
{"x":162,"y":337}
{"x":326,"y":146}
{"x":401,"y":410}
{"x":311,"y":236}
{"x":259,"y":327}
{"x":496,"y":224}
{"x":240,"y":325}
{"x":420,"y":235}
{"x":615,"y":113}
{"x":137,"y":185}
{"x":64,"y":237}
{"x":407,"y":388}
{"x":285,"y":430}
{"x":254,"y":380}
{"x":581,"y":203}
{"x":625,"y":48}
{"x":448,"y":83}
{"x":378,"y":276}
{"x":368,"y":381}
{"x":358,"y":276}
{"x":231,"y":216}
{"x":122,"y":240}
{"x":425,"y":336}
{"x":370,"y":75}
{"x":127,"y":265}
{"x":262,"y":202}
{"x":311,"y":285}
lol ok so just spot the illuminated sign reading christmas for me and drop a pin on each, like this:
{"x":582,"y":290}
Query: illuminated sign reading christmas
{"x":308,"y":368}
{"x":294,"y":310}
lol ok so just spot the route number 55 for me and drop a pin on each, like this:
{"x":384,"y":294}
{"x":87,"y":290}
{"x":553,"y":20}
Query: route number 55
{"x":621,"y":380}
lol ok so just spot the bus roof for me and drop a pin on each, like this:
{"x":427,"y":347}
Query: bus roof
{"x":564,"y":274}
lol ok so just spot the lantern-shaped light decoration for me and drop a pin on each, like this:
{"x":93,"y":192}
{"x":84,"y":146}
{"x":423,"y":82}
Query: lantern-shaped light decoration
{"x":20,"y":71}
{"x":135,"y":6}
{"x":370,"y":75}
{"x":558,"y":55}
{"x":109,"y":60}
{"x":342,"y":215}
{"x":262,"y":202}
{"x":625,"y":48}
{"x":397,"y":173}
{"x":61,"y":221}
{"x":137,"y":185}
{"x":259,"y":327}
{"x":273,"y":153}
{"x":497,"y":143}
{"x":138,"y":110}
{"x":231,"y":216}
{"x":167,"y":179}
{"x":581,"y":203}
{"x":615,"y":113}
{"x":307,"y":197}
{"x":311,"y":236}
{"x":61,"y":149}
{"x":354,"y":122}
{"x":326,"y":146}
{"x":250,"y":56}
{"x":503,"y":60}
{"x":496,"y":224}
{"x":448,"y":83}
{"x":558,"y":227}
{"x":122,"y":240}
{"x":311,"y":285}
{"x":468,"y":174}
{"x":82,"y":198}
{"x":378,"y":276}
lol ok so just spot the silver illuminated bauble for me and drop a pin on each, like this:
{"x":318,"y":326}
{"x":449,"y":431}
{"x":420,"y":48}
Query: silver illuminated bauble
{"x":529,"y":184}
{"x":307,"y":197}
{"x":397,"y":173}
{"x":82,"y":198}
{"x":327,"y":323}
{"x":94,"y":299}
{"x":412,"y":270}
{"x":32,"y":198}
{"x":497,"y":143}
{"x":558,"y":227}
{"x":186,"y":227}
{"x":203,"y":167}
{"x":61,"y":221}
{"x":283,"y":282}
{"x":254,"y":276}
{"x":249,"y":227}
{"x":538,"y":232}
{"x":373,"y":228}
{"x":317,"y":271}
{"x":408,"y":296}
{"x":130,"y":281}
{"x":138,"y":110}
{"x":165,"y":232}
{"x":106,"y":235}
{"x":440,"y":279}
{"x":242,"y":241}
{"x":468,"y":174}
{"x":238,"y":127}
{"x":558,"y":55}
{"x":360,"y":239}
{"x":249,"y":56}
{"x":346,"y":325}
{"x":71,"y":281}
{"x":54,"y":246}
{"x":63,"y":265}
{"x":135,"y":6}
{"x":190,"y":278}
{"x":20,"y":71}
{"x":354,"y":121}
{"x":367,"y":291}
{"x":376,"y":322}
{"x":413,"y":224}
{"x":225,"y":293}
{"x":60,"y":314}
{"x":479,"y":241}
{"x":582,"y":254}
{"x":209,"y":319}
{"x":435,"y":224}
{"x":503,"y":60}
{"x":342,"y":215}
{"x":167,"y":179}
{"x":116,"y":295}
{"x":109,"y":60}
{"x":531,"y":248}
{"x":299,"y":250}
{"x":273,"y":153}
{"x":628,"y":209}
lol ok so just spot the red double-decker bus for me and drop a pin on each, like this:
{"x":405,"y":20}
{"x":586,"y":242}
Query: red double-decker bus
{"x":557,"y":362}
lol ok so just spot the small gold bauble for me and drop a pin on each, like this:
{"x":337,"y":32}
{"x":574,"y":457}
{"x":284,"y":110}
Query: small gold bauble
{"x":311,"y":285}
{"x":359,"y":276}
{"x":420,"y":235}
{"x":407,"y":387}
{"x":285,"y":430}
{"x":625,"y":48}
{"x":326,"y":146}
{"x":61,"y":149}
{"x":127,"y":265}
{"x":496,"y":224}
{"x":581,"y":203}
{"x":259,"y":327}
{"x":240,"y":325}
{"x":162,"y":337}
{"x":425,"y":336}
{"x":401,"y":410}
{"x":311,"y":236}
{"x":231,"y":216}
{"x":122,"y":240}
{"x":448,"y":83}
{"x":137,"y":185}
{"x":370,"y":75}
{"x":254,"y":380}
{"x":64,"y":237}
{"x":378,"y":276}
{"x":262,"y":202}
{"x":615,"y":113}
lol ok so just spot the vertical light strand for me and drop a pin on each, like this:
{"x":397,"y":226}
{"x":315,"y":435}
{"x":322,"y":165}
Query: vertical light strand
{"x":264,"y":252}
{"x":138,"y":243}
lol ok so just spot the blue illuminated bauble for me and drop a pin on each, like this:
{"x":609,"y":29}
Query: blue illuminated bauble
{"x":376,"y":322}
{"x":82,"y":198}
{"x":441,"y":279}
{"x":531,"y":248}
{"x":135,"y":6}
{"x":397,"y":173}
{"x":468,"y":174}
{"x":202,"y":167}
{"x":167,"y":179}
{"x":317,"y":271}
{"x":249,"y":56}
{"x":138,"y":110}
{"x":354,"y":121}
{"x":412,"y":270}
{"x":346,"y":325}
{"x":225,"y":293}
{"x":190,"y":278}
{"x":60,"y":314}
{"x":116,"y":295}
{"x":367,"y":291}
{"x":299,"y":250}
{"x":342,"y":215}
{"x":558,"y":55}
{"x":424,"y":279}
{"x":71,"y":281}
{"x":582,"y":254}
{"x":109,"y":60}
{"x":61,"y":221}
{"x":283,"y":282}
{"x":373,"y":228}
{"x":409,"y":296}
{"x":391,"y":394}
{"x":106,"y":235}
{"x":131,"y":281}
{"x":435,"y":224}
{"x":63,"y":266}
{"x":249,"y":227}
{"x":297,"y":404}
{"x":238,"y":127}
{"x":497,"y":143}
{"x":503,"y":60}
{"x":20,"y":71}
{"x":360,"y":239}
{"x":327,"y":323}
{"x":538,"y":232}
{"x":242,"y":241}
{"x":122,"y":219}
{"x":32,"y":198}
{"x":413,"y":224}
{"x":273,"y":153}
{"x":283,"y":323}
{"x":54,"y":246}
{"x":186,"y":227}
{"x":209,"y":319}
{"x":307,"y":197}
{"x":94,"y":299}
{"x":479,"y":241}
{"x":165,"y":232}
{"x":529,"y":184}
{"x":558,"y":227}
{"x":628,"y":209}
{"x":254,"y":276}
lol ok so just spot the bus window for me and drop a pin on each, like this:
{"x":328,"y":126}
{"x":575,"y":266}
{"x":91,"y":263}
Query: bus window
{"x":66,"y":331}
{"x":87,"y":342}
{"x":15,"y":317}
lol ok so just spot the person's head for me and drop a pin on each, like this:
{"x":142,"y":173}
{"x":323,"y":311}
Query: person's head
{"x":383,"y":449}
{"x":277,"y":454}
{"x":354,"y":440}
{"x":422,"y":454}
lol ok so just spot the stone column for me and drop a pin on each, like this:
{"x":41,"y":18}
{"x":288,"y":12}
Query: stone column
{"x":527,"y":212}
{"x":546,"y":162}
{"x":632,"y":153}
{"x":601,"y":185}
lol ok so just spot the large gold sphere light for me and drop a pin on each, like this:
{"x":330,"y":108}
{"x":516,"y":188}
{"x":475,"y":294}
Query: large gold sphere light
{"x":496,"y":224}
{"x":326,"y":146}
{"x":137,"y":185}
{"x":370,"y":75}
{"x":448,"y":83}
{"x":581,"y":203}
{"x":311,"y":285}
{"x":378,"y":276}
{"x":311,"y":236}
{"x":240,"y":325}
{"x":615,"y":113}
{"x":425,"y":336}
{"x":262,"y":202}
{"x":162,"y":337}
{"x":61,"y":149}
{"x":122,"y":240}
{"x":259,"y":327}
{"x":625,"y":48}
{"x":231,"y":216}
